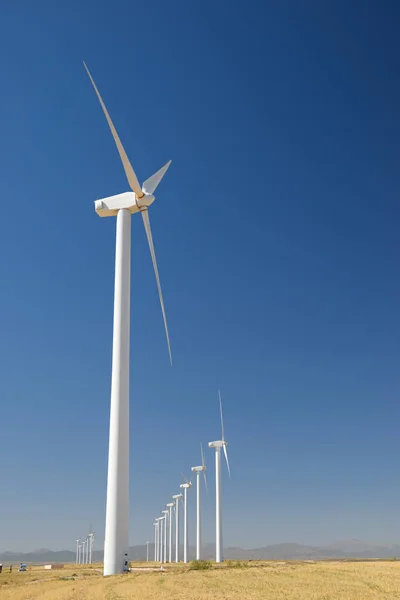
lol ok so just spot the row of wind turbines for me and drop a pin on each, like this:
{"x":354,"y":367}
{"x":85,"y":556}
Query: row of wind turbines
{"x":84,"y":549}
{"x":162,"y":523}
{"x":123,"y":206}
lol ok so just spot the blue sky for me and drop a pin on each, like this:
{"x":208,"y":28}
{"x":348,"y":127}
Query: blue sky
{"x":276,"y":232}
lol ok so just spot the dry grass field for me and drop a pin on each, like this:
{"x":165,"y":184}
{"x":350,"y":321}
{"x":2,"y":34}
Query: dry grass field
{"x":232,"y":581}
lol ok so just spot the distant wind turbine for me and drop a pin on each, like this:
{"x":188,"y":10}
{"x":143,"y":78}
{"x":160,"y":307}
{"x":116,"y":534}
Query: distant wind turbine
{"x":198,"y":470}
{"x":160,"y":539}
{"x":170,"y":505}
{"x":83,"y":551}
{"x":77,"y":552}
{"x":177,"y":497}
{"x":116,"y":544}
{"x":155,"y":539}
{"x":163,"y":526}
{"x":91,"y":545}
{"x":165,"y":513}
{"x":185,"y":486}
{"x":219,"y":549}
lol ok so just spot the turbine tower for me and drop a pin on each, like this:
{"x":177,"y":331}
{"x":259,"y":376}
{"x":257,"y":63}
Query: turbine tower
{"x":91,"y":544}
{"x":185,"y":487}
{"x":165,"y":513}
{"x":122,"y":206}
{"x":177,"y":497}
{"x":77,"y":552}
{"x":162,"y":528}
{"x":170,"y":505}
{"x":219,"y":549}
{"x":198,"y":470}
{"x":155,"y":539}
{"x":83,"y":551}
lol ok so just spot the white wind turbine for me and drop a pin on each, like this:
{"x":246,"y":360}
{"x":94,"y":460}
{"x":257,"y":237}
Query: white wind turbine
{"x":198,"y":470}
{"x":83,"y":552}
{"x":77,"y":552}
{"x":185,"y":487}
{"x":155,"y":539}
{"x":170,"y":505}
{"x":160,"y":538}
{"x":219,"y":550}
{"x":91,"y":544}
{"x":177,"y":497}
{"x":165,"y":513}
{"x":116,"y":542}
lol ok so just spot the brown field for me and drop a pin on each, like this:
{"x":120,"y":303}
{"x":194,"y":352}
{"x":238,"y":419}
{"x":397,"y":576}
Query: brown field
{"x":233,"y":581}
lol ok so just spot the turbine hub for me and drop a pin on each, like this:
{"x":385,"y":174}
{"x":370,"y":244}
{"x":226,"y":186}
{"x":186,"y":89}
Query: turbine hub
{"x":144,"y":201}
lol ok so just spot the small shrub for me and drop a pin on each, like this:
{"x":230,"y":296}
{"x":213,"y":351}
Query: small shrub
{"x":66,"y":578}
{"x":200,"y":565}
{"x":236,"y":564}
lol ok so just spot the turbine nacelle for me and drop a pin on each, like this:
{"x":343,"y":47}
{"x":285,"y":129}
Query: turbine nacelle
{"x":109,"y":207}
{"x":170,"y":504}
{"x":218,"y":444}
{"x":177,"y":496}
{"x":198,"y":469}
{"x":185,"y":485}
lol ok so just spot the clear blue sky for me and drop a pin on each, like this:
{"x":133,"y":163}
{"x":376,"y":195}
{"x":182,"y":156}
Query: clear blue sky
{"x":277,"y":236}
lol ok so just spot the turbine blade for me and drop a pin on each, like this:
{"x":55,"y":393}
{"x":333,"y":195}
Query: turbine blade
{"x":202,"y":455}
{"x":146,"y":222}
{"x":205,"y":482}
{"x":129,"y":172}
{"x":227,"y":461}
{"x":184,"y":477}
{"x":222,"y":420}
{"x":152,"y":182}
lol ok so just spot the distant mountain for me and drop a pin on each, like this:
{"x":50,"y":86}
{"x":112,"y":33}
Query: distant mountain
{"x":342,"y":549}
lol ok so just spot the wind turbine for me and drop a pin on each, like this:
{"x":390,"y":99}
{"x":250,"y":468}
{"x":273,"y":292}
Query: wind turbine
{"x":155,"y":539}
{"x":91,"y":544}
{"x":185,"y":486}
{"x":162,"y":538}
{"x":198,"y":470}
{"x":116,"y":542}
{"x":170,"y":505}
{"x":219,"y":551}
{"x":165,"y":513}
{"x":83,"y":551}
{"x":177,"y":498}
{"x":77,"y":551}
